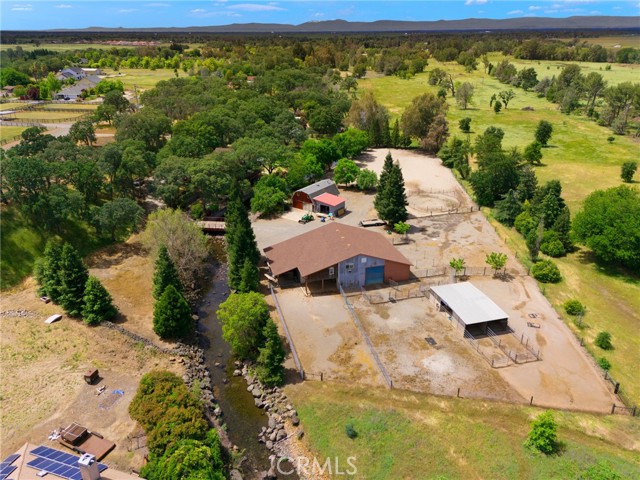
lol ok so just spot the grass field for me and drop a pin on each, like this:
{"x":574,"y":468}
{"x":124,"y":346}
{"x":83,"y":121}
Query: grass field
{"x":140,"y":78}
{"x":41,"y":115}
{"x":68,"y":106}
{"x":61,"y":47}
{"x":414,"y":436}
{"x":582,"y":159}
{"x":22,"y":244}
{"x":10,"y":132}
{"x":613,"y":41}
{"x":11,"y":106}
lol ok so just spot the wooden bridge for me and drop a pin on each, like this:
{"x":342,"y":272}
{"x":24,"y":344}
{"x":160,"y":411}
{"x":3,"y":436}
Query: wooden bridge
{"x":212,"y":225}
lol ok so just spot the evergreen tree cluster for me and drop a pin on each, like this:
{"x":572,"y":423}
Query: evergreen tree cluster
{"x":391,"y":199}
{"x":64,"y":278}
{"x":171,"y":312}
{"x":242,"y":250}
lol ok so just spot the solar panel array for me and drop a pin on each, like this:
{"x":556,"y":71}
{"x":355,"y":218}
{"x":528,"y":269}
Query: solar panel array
{"x":58,"y":463}
{"x":6,"y":468}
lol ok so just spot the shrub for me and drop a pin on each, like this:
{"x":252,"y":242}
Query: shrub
{"x":542,"y":436}
{"x":604,"y":363}
{"x":401,"y":227}
{"x":546,"y":271}
{"x":524,"y":223}
{"x":628,"y":171}
{"x":551,"y":244}
{"x":197,"y":211}
{"x":350,"y":431}
{"x":603,"y":340}
{"x":465,"y":124}
{"x":574,"y":307}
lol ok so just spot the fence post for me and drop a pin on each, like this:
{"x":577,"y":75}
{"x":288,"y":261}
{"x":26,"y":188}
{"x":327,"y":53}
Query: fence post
{"x":633,"y":411}
{"x":606,"y":375}
{"x":613,"y":409}
{"x":459,"y":391}
{"x":616,"y":389}
{"x":321,"y":376}
{"x":531,"y":401}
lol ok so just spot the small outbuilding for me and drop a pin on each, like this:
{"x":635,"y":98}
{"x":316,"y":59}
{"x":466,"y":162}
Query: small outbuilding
{"x":307,"y":198}
{"x":471,"y":308}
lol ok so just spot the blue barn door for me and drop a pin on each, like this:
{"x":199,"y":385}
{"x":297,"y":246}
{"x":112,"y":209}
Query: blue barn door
{"x":373,"y":275}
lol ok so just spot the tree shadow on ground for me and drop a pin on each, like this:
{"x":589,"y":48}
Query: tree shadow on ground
{"x":588,"y":257}
{"x":114,"y":255}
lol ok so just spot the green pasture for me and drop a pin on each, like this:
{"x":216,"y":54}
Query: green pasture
{"x":11,"y":106}
{"x":580,"y":156}
{"x":69,"y":106}
{"x":10,"y":132}
{"x":42,"y":115}
{"x":416,"y":436}
{"x":141,"y":78}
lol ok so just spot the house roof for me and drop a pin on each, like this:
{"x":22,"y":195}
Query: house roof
{"x":469,"y":303}
{"x":84,"y":84}
{"x":329,"y":199}
{"x":24,"y":472}
{"x":74,"y":69}
{"x":320,"y":187}
{"x":328,"y":245}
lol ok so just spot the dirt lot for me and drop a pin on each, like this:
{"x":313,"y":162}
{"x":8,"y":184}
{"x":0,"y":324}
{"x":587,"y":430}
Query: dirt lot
{"x":42,"y":365}
{"x":565,"y":377}
{"x":326,"y":338}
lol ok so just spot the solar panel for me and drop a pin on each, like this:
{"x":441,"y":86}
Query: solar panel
{"x":5,"y":466}
{"x":6,"y":471}
{"x":57,"y":463}
{"x":60,"y":457}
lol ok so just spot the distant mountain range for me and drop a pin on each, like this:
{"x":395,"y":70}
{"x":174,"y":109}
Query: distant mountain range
{"x":343,"y":26}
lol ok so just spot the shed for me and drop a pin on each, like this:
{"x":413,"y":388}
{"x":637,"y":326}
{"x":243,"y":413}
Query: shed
{"x":303,"y":198}
{"x":330,"y":204}
{"x":91,"y":375}
{"x":471,"y":308}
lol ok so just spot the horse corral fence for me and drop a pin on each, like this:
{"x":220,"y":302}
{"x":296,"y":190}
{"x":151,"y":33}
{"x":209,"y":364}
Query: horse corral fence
{"x":294,"y":353}
{"x":365,"y":335}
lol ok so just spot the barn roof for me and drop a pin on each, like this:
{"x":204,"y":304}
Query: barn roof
{"x":328,"y":245}
{"x":319,"y":188}
{"x":469,"y":303}
{"x":329,"y":199}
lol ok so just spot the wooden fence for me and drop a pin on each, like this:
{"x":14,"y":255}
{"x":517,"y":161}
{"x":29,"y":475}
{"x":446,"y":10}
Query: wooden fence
{"x":294,"y":353}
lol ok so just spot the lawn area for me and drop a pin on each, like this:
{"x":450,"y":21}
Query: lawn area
{"x":69,"y":106}
{"x":11,"y":106}
{"x":140,"y":78}
{"x":414,"y":436}
{"x":10,"y":132}
{"x":43,"y":116}
{"x":22,"y":244}
{"x":582,"y":159}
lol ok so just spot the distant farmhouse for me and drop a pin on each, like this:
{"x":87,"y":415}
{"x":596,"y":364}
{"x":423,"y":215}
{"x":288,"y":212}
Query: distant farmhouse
{"x":77,"y":73}
{"x":74,"y":92}
{"x":337,"y":254}
{"x":321,"y":197}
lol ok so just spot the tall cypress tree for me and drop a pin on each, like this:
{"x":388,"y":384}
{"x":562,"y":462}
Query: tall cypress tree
{"x":74,"y":276}
{"x":249,"y":277}
{"x":270,"y":368}
{"x":48,"y":269}
{"x":391,"y":198}
{"x":395,"y":135}
{"x":165,"y":274}
{"x":97,"y":303}
{"x":241,"y":241}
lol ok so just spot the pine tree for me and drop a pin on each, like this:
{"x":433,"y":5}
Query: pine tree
{"x":249,"y":278}
{"x":528,"y":184}
{"x":270,"y":368}
{"x":171,"y":315}
{"x":391,"y":199}
{"x":241,"y":241}
{"x":47,"y":271}
{"x":97,"y":303}
{"x":508,"y":208}
{"x":387,"y":167}
{"x":165,"y":274}
{"x":74,"y":276}
{"x":395,"y":135}
{"x":562,"y":226}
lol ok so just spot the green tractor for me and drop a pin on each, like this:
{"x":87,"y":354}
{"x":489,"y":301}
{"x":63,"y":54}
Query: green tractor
{"x":307,"y":217}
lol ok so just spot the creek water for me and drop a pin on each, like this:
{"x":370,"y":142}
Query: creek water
{"x":242,"y":418}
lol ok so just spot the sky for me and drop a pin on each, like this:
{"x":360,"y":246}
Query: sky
{"x":48,"y":14}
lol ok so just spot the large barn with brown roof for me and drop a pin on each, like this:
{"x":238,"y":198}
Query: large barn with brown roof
{"x":350,"y":256}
